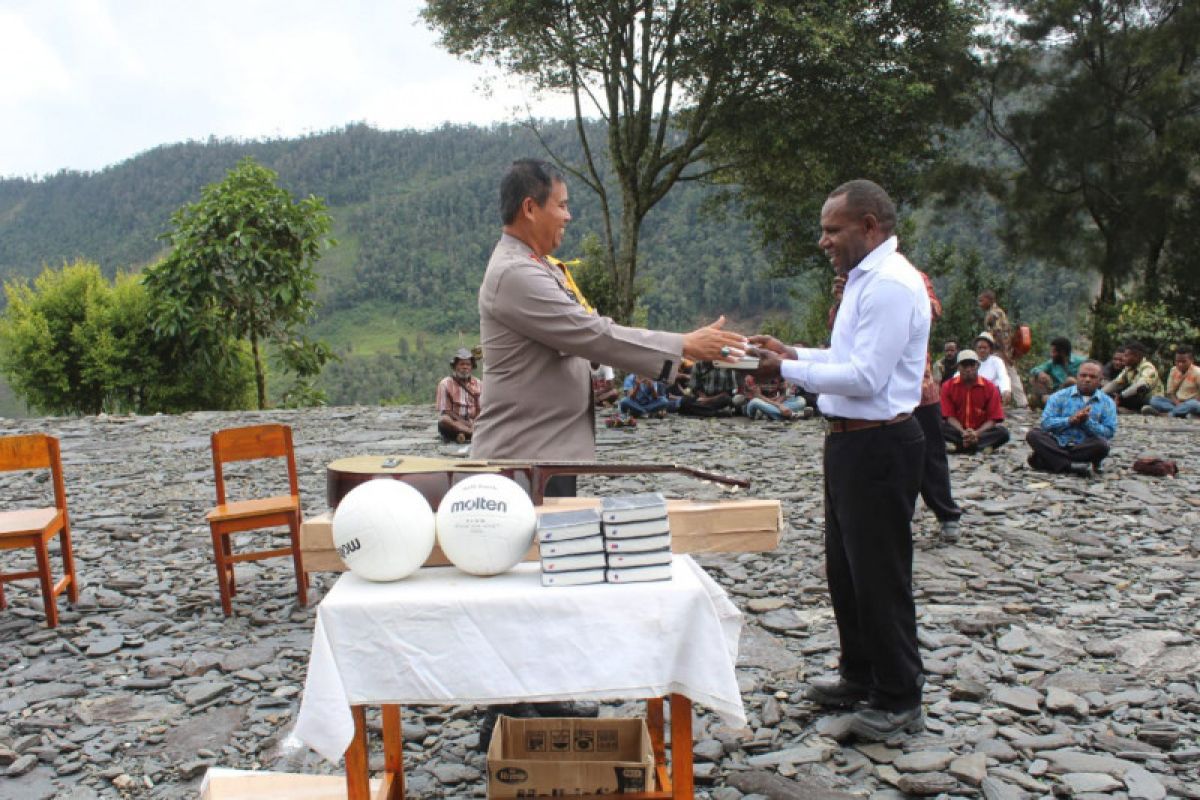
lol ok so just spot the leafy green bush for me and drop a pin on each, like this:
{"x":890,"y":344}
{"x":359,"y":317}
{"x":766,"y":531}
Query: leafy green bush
{"x":1154,"y":325}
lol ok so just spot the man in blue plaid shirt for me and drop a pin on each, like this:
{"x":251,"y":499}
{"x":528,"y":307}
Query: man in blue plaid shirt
{"x":1077,"y":424}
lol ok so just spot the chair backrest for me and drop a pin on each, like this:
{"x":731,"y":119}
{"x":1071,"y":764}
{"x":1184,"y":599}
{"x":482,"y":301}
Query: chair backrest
{"x":34,"y":451}
{"x":253,"y":442}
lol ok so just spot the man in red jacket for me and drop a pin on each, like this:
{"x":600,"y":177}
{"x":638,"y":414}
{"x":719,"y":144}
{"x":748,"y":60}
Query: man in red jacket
{"x":971,"y":409}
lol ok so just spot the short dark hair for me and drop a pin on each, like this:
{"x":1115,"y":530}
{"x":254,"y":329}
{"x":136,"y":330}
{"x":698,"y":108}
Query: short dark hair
{"x":1121,"y":348}
{"x":1062,"y":344}
{"x":867,"y":197}
{"x":1099,"y":366}
{"x":527,"y":177}
{"x":1185,"y":350}
{"x":989,"y":294}
{"x":1136,"y":347}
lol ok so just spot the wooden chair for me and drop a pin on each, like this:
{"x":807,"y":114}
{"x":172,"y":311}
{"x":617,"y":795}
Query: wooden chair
{"x":244,"y":444}
{"x":36,"y":527}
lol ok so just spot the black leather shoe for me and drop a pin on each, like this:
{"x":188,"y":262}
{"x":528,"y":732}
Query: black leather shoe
{"x":1081,"y":468}
{"x":878,"y":725}
{"x":835,"y":693}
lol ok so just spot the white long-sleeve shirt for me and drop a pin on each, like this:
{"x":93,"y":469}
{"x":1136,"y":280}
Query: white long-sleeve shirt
{"x":995,"y":370}
{"x":876,"y":359}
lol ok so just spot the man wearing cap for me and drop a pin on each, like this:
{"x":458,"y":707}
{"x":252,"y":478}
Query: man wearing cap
{"x":869,"y":382}
{"x":991,"y":366}
{"x":971,"y":409}
{"x":538,"y":339}
{"x":458,"y":398}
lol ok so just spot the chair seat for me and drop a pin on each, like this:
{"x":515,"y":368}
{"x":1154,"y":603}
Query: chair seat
{"x":259,"y":507}
{"x":26,"y":521}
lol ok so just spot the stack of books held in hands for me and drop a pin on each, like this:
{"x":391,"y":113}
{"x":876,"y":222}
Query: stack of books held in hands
{"x":571,"y":546}
{"x":637,"y":538}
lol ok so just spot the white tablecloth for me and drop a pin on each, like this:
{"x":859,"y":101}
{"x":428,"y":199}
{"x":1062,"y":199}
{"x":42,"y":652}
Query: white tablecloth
{"x":442,"y":637}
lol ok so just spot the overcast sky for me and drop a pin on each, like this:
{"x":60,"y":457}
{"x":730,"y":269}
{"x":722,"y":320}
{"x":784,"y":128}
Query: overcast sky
{"x":88,"y":83}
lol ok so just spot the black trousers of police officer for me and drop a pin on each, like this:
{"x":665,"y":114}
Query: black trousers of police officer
{"x":872,"y":477}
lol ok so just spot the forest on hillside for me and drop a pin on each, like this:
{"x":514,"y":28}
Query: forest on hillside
{"x":415,"y":218}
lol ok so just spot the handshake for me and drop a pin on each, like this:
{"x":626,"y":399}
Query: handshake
{"x":762,"y":354}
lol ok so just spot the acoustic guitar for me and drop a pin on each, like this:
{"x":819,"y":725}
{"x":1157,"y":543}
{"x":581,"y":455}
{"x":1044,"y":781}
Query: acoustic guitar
{"x":433,"y":477}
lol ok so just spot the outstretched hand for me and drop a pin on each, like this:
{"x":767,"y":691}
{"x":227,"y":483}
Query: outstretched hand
{"x":713,"y":343}
{"x":770,"y":343}
{"x":769,"y":363}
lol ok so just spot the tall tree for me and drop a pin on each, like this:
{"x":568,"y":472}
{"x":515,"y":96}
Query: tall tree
{"x":1100,"y":101}
{"x":666,"y":76}
{"x":242,"y":262}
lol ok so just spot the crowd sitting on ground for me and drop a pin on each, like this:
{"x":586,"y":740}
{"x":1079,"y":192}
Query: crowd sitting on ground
{"x":1079,"y":398}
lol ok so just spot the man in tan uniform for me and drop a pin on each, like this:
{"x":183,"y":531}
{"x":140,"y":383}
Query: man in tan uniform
{"x":538,"y":340}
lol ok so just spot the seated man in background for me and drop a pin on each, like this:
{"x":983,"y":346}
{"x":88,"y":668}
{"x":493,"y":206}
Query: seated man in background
{"x":458,"y":398}
{"x":946,"y":367}
{"x":644,"y":397}
{"x":1056,"y":373}
{"x":991,"y":366}
{"x":971,"y":410}
{"x":1137,"y":383}
{"x":775,"y":399}
{"x":713,"y":389}
{"x":604,"y":391}
{"x":1113,"y":368}
{"x":1077,"y":425}
{"x":1183,"y":387}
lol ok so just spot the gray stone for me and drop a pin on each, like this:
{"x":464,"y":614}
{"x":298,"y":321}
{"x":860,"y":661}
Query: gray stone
{"x":996,"y":789}
{"x":924,"y":761}
{"x":105,"y":645}
{"x":22,"y":765}
{"x":1074,"y":761}
{"x":971,"y":769}
{"x":792,"y":755}
{"x":1021,"y":698}
{"x":926,"y":783}
{"x":209,"y":690}
{"x":1089,"y":782}
{"x":1144,"y":785}
{"x":1066,"y":702}
{"x":775,"y":787}
{"x":454,"y":774}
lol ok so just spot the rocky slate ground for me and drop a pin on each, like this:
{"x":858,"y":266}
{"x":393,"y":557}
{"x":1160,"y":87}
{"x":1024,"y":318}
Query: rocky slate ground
{"x":1060,"y":635}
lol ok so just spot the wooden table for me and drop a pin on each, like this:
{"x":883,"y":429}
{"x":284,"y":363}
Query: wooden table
{"x":673,"y":641}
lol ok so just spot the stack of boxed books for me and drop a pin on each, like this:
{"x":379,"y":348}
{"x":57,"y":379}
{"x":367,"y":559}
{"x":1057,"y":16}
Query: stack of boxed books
{"x":572,"y":547}
{"x":637,"y":538}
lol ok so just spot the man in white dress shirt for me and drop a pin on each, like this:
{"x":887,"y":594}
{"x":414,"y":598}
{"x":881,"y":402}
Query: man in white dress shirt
{"x":869,"y":382}
{"x":992,"y":366}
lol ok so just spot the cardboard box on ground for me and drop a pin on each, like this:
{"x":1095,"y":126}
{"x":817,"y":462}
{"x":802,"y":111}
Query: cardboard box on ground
{"x":697,"y":526}
{"x":557,"y":756}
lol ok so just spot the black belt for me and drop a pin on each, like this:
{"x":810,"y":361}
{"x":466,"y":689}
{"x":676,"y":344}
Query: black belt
{"x":841,"y":425}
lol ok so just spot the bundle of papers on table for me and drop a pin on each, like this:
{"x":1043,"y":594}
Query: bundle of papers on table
{"x":628,"y":540}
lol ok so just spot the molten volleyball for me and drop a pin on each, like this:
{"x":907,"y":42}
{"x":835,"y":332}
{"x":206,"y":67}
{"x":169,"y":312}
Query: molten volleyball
{"x":384,"y":530}
{"x":485,"y":524}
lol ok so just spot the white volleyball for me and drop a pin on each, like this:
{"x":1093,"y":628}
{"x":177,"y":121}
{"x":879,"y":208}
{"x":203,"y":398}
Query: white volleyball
{"x":485,"y":524}
{"x":384,"y":530}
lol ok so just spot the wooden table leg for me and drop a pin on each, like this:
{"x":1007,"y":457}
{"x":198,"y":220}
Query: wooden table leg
{"x":393,"y":755}
{"x":358,"y":774}
{"x":681,"y":748}
{"x":656,"y":724}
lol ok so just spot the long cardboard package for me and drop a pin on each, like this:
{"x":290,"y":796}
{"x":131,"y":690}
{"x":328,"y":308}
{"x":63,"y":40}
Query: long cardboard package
{"x":697,"y":526}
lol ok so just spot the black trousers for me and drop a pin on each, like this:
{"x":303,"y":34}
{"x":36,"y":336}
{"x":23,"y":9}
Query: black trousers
{"x":1140,"y":398}
{"x":691,"y":407}
{"x":935,"y":481}
{"x":994,"y":436}
{"x":872,"y":478}
{"x":1051,"y":456}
